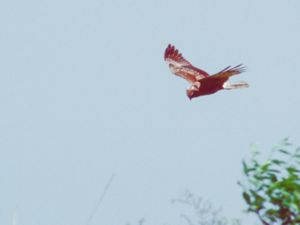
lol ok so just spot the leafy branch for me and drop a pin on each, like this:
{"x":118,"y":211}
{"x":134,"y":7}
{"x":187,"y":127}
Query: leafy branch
{"x":271,"y":189}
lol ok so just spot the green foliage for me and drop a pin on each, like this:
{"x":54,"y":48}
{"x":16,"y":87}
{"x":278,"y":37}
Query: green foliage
{"x":271,"y":188}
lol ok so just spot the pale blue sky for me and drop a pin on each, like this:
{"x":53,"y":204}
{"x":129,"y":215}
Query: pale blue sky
{"x":85,"y":93}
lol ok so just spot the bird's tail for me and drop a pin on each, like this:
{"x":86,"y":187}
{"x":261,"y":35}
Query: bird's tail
{"x":237,"y":85}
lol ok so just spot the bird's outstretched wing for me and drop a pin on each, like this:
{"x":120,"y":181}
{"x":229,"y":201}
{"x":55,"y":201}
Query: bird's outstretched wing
{"x":173,"y":56}
{"x":181,"y":67}
{"x":229,"y":71}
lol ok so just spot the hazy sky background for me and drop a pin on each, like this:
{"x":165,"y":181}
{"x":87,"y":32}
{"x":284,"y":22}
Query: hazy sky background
{"x":85,"y":93}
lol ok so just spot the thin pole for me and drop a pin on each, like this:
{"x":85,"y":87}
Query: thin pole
{"x":100,"y":199}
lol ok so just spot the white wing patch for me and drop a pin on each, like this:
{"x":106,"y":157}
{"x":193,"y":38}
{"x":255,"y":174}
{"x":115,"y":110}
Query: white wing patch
{"x":176,"y":63}
{"x":185,"y":72}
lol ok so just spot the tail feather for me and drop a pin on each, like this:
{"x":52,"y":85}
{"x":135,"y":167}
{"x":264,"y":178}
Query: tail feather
{"x":237,"y":85}
{"x":230,"y":71}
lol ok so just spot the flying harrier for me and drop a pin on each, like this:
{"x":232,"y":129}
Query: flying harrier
{"x":201,"y":82}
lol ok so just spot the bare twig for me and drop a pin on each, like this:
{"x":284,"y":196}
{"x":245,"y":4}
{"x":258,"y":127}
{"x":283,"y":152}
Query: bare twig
{"x":187,"y":219}
{"x":141,"y":221}
{"x":260,"y":217}
{"x":100,"y":199}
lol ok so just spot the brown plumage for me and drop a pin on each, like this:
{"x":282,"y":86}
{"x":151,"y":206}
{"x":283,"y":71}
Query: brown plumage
{"x":201,"y":82}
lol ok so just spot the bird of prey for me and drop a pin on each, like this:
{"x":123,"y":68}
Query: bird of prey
{"x":201,"y":82}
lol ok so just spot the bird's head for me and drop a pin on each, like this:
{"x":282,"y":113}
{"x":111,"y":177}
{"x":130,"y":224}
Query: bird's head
{"x":190,"y":93}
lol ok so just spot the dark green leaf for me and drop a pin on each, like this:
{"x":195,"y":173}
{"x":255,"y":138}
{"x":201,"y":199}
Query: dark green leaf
{"x":278,"y":162}
{"x":245,"y":168}
{"x":292,"y":170}
{"x":246,"y":196}
{"x":284,"y":152}
{"x":265,"y":167}
{"x":273,"y":178}
{"x":273,"y":170}
{"x":296,"y":156}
